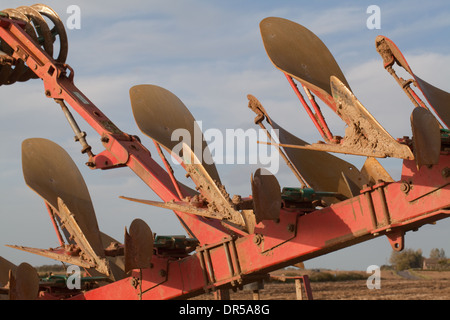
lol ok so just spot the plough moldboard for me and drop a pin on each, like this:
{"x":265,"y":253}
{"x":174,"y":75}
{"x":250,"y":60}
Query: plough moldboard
{"x":230,"y":241}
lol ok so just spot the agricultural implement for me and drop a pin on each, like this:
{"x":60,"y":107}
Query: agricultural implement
{"x":231,"y":241}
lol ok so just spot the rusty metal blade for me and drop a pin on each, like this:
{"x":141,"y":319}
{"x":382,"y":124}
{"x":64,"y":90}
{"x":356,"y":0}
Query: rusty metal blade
{"x":266,"y":194}
{"x":213,"y":191}
{"x":180,"y":206}
{"x":320,"y":170}
{"x":59,"y":254}
{"x":374,"y":171}
{"x":159,"y":113}
{"x":52,"y":174}
{"x":24,"y":283}
{"x":426,"y":137}
{"x":138,"y":246}
{"x":298,"y":52}
{"x":69,"y":221}
{"x":5,"y":266}
{"x":437,"y":98}
{"x":364,"y":135}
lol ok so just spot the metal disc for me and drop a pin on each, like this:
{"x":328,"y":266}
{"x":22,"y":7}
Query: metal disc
{"x":438,"y":99}
{"x":138,"y":246}
{"x":266,"y":194}
{"x":5,"y":266}
{"x":426,"y":137}
{"x":159,"y":113}
{"x":25,"y":285}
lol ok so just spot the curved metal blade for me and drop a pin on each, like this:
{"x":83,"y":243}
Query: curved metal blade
{"x":426,"y":137}
{"x":320,"y":170}
{"x":138,"y":246}
{"x":437,"y":98}
{"x":159,"y":113}
{"x":24,"y":284}
{"x":5,"y":266}
{"x":374,"y":171}
{"x":297,"y":51}
{"x":52,"y":174}
{"x":364,"y":135}
{"x":266,"y":192}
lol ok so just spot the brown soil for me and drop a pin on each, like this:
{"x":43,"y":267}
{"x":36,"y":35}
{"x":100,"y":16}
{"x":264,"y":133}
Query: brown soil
{"x":412,"y":285}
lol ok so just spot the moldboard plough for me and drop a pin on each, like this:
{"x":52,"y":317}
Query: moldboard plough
{"x":231,"y":241}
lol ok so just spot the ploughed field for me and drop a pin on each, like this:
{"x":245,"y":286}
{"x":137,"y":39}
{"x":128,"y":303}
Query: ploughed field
{"x":407,"y":285}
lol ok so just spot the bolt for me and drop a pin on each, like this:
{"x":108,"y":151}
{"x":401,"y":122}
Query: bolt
{"x":162,"y":273}
{"x":405,"y":187}
{"x":291,"y":227}
{"x":134,"y":282}
{"x":445,"y":172}
{"x":257,"y":239}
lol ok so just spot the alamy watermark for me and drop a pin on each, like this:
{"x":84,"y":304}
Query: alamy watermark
{"x":235,"y":146}
{"x":73,"y":281}
{"x":374,"y":20}
{"x":74,"y":19}
{"x":374,"y":280}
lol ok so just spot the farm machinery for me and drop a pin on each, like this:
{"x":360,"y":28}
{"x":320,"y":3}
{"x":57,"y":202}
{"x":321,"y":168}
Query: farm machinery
{"x":231,"y":241}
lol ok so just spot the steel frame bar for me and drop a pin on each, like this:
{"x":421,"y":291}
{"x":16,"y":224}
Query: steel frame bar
{"x":121,"y":149}
{"x":319,"y":122}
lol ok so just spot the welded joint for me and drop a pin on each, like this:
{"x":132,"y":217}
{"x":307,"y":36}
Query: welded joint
{"x":232,"y":258}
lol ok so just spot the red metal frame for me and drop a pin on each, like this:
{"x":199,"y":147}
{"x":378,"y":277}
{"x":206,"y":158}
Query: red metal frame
{"x":226,"y":259}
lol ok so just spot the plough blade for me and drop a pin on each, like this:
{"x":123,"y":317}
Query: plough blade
{"x":266,"y":192}
{"x":321,"y":170}
{"x":215,"y":194}
{"x":426,"y":137}
{"x":53,"y":175}
{"x":364,"y":135}
{"x":375,"y":172}
{"x":438,"y":99}
{"x":181,"y":206}
{"x":159,"y":113}
{"x":298,"y":52}
{"x":5,"y":266}
{"x":24,"y":283}
{"x":70,"y":223}
{"x":138,"y":246}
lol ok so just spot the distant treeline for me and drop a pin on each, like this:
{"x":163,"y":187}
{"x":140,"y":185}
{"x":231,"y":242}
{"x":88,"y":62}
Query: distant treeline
{"x":50,"y":268}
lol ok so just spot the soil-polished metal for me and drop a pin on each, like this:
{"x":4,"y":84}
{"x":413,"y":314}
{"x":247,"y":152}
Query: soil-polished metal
{"x":296,"y":51}
{"x":138,"y":246}
{"x":266,"y":192}
{"x":163,"y":117}
{"x":426,"y":137}
{"x":52,"y":174}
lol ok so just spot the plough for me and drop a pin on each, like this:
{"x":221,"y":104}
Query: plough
{"x":231,"y":241}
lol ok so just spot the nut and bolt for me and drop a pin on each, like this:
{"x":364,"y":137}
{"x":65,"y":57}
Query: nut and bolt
{"x":405,"y":187}
{"x":257,"y":239}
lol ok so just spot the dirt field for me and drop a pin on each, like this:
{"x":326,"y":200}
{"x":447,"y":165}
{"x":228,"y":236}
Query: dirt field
{"x":412,"y":285}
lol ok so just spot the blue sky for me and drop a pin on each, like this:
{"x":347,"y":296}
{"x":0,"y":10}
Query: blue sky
{"x":210,"y":54}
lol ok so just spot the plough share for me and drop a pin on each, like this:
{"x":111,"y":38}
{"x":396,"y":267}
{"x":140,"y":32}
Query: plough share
{"x":235,"y":240}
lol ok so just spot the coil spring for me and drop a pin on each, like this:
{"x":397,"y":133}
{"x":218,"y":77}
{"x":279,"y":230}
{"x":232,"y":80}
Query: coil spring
{"x":37,"y":18}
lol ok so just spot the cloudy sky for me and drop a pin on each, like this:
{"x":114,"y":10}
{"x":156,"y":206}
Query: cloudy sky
{"x":210,"y":54}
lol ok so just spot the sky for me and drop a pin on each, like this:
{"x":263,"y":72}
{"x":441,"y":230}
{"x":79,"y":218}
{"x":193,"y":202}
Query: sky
{"x":210,"y":54}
